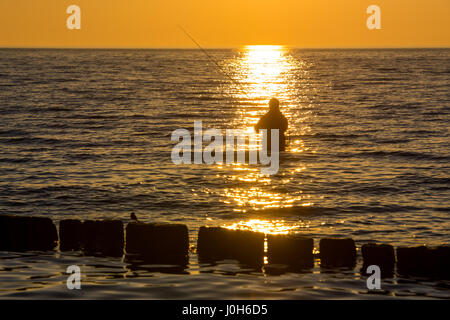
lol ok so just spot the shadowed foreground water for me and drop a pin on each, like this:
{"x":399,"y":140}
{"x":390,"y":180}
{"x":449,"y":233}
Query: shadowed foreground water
{"x":86,"y":134}
{"x":43,"y":276}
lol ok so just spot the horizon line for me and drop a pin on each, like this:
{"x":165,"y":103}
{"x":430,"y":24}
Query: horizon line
{"x":221,"y":47}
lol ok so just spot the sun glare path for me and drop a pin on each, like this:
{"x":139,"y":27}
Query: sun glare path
{"x":264,"y":226}
{"x":263,"y":71}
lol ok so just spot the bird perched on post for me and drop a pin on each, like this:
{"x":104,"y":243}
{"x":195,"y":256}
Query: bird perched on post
{"x":133,"y":217}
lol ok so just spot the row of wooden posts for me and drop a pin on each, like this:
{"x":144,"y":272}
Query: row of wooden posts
{"x":169,"y":243}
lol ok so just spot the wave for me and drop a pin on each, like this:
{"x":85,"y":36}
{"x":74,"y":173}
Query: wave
{"x":398,"y":154}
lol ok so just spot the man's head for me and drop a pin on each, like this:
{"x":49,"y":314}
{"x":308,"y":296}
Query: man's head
{"x":274,"y":104}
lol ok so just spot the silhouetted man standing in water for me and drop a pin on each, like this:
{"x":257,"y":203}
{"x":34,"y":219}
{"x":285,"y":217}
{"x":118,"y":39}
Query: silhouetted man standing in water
{"x":274,"y":119}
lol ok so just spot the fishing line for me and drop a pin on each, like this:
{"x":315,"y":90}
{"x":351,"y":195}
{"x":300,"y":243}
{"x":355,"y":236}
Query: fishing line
{"x":211,"y":59}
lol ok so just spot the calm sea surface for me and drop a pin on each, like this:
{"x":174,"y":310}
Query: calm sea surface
{"x":87,"y":134}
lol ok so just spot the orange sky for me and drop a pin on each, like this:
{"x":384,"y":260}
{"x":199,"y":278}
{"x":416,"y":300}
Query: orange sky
{"x":225,"y":23}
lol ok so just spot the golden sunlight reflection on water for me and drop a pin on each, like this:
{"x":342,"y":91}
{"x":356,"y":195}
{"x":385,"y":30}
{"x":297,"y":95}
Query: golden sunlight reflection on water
{"x":264,"y":226}
{"x":265,"y":72}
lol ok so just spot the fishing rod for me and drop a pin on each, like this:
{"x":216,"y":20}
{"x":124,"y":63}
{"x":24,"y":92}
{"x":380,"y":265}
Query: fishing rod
{"x":211,"y":59}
